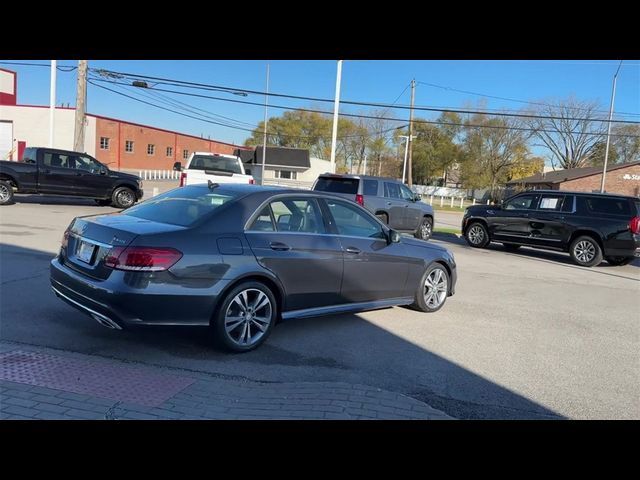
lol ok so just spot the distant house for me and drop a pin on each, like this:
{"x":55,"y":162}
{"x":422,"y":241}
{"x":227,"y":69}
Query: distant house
{"x":284,"y":165}
{"x":623,"y":179}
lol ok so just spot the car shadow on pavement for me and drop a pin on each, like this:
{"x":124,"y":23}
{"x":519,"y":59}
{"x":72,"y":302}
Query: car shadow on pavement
{"x":345,"y":348}
{"x":55,"y":200}
{"x":547,"y":256}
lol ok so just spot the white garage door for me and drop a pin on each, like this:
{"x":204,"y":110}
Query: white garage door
{"x":6,"y":139}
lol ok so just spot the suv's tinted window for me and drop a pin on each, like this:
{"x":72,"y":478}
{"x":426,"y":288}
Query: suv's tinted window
{"x":612,"y":206}
{"x":337,"y":185}
{"x":523,"y":202}
{"x":370,"y":187}
{"x":391,"y":190}
{"x":567,"y":205}
{"x":349,"y":220}
{"x":551,"y":202}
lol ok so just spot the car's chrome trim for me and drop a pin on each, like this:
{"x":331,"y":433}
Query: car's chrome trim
{"x":347,"y":307}
{"x":91,"y":241}
{"x":100,"y":318}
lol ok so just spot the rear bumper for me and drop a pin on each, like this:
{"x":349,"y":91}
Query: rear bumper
{"x":141,"y":301}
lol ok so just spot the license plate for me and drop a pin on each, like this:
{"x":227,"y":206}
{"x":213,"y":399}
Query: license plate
{"x":85,"y":251}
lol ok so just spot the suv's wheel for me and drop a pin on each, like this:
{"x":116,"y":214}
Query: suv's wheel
{"x":6,"y":193}
{"x":383,"y":217}
{"x":245,"y":317}
{"x":123,"y":197}
{"x":585,"y":251}
{"x":510,"y":247}
{"x":425,"y":229}
{"x":433,"y":289}
{"x":618,"y":261}
{"x":477,"y":235}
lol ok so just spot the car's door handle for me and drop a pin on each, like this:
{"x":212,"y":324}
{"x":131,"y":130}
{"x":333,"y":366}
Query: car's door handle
{"x":279,"y":246}
{"x":354,"y":250}
{"x":557,"y":217}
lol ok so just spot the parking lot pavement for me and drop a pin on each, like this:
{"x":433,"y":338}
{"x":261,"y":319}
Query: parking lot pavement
{"x":38,"y":383}
{"x":527,"y":335}
{"x":448,"y":219}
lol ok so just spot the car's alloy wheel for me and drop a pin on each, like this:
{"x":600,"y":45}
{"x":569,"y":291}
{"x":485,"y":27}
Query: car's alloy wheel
{"x":125,"y":198}
{"x":424,"y":231}
{"x":585,"y":251}
{"x":248,"y":317}
{"x":436,"y":288}
{"x":6,"y":193}
{"x":477,"y":235}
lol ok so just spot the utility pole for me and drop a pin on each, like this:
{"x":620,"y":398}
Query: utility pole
{"x":52,"y":101}
{"x":264,"y":138}
{"x":413,"y":96}
{"x":606,"y":150}
{"x":81,"y":105}
{"x":336,"y":107}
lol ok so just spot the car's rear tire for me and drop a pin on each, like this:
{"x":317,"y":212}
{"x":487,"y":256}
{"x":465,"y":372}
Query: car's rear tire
{"x":245,"y":317}
{"x":433,"y":289}
{"x":619,"y":261}
{"x":6,"y":193}
{"x":477,"y":235}
{"x":511,"y":247}
{"x":123,"y":197}
{"x":383,"y":217}
{"x":585,"y":251}
{"x":425,"y":229}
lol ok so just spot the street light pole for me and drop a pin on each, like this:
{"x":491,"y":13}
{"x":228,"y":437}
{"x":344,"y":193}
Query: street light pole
{"x":606,"y":150}
{"x":336,"y":106}
{"x":52,"y":101}
{"x":264,"y":139}
{"x":406,"y":149}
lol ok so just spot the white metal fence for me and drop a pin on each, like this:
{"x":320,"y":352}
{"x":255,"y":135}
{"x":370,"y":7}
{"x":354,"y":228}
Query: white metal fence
{"x":157,"y":174}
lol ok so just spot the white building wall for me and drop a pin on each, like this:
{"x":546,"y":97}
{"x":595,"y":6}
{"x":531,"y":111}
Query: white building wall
{"x":318,"y":167}
{"x":31,"y":125}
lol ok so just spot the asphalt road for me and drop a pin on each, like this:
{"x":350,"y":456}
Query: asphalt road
{"x":527,"y":335}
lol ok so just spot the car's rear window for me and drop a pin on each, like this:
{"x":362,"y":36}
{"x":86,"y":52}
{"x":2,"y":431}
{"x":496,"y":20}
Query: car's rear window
{"x":219,"y":164}
{"x":611,"y":206}
{"x":337,"y":185}
{"x":181,"y":206}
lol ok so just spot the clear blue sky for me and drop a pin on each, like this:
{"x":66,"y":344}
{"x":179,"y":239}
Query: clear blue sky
{"x":362,"y":80}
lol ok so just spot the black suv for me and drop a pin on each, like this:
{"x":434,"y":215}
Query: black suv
{"x":590,"y":226}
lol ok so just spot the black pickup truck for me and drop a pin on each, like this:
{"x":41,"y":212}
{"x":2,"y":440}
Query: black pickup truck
{"x":50,"y":171}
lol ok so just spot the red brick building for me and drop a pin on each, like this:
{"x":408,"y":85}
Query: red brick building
{"x":623,"y":179}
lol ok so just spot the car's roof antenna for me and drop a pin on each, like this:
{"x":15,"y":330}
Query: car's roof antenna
{"x":213,"y":185}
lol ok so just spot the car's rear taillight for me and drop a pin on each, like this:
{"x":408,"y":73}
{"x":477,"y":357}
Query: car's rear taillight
{"x":252,"y":181}
{"x":634,"y":225}
{"x":183,"y":179}
{"x":142,"y":259}
{"x":360,"y":200}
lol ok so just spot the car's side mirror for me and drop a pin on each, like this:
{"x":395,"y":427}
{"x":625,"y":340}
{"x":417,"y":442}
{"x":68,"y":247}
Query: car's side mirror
{"x":394,"y":237}
{"x":103,"y":170}
{"x":177,"y":166}
{"x":417,"y":197}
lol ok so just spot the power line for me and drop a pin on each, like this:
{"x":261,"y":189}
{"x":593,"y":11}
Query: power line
{"x":468,"y":92}
{"x":202,"y":86}
{"x":62,"y":68}
{"x":282,"y":107}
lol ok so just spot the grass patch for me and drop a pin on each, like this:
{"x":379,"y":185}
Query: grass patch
{"x":451,"y":231}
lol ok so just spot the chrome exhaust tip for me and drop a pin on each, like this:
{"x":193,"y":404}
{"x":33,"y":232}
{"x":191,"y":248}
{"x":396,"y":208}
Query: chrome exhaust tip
{"x":106,"y":322}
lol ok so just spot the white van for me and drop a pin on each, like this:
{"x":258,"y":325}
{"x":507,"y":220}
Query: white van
{"x":217,"y":167}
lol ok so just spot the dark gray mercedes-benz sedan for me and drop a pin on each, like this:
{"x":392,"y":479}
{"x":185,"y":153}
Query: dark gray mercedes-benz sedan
{"x":239,"y":258}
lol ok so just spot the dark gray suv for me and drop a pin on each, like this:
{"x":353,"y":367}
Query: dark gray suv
{"x":389,"y":199}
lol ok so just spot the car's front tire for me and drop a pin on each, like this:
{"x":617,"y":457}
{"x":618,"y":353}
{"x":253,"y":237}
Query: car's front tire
{"x":425,"y":229}
{"x":123,"y":197}
{"x":477,"y":235}
{"x":433,"y":289}
{"x":6,"y":193}
{"x":585,"y":251}
{"x":246,"y":317}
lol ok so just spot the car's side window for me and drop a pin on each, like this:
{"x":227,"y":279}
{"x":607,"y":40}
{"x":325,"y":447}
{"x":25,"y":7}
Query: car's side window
{"x":370,"y":187}
{"x":523,"y":202}
{"x":391,"y":190}
{"x":406,"y":193}
{"x":88,"y":164}
{"x":551,"y":203}
{"x":263,"y":222}
{"x":297,"y":215}
{"x":59,"y":160}
{"x":349,"y":220}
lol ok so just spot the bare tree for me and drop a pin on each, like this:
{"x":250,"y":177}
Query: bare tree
{"x":570,"y":131}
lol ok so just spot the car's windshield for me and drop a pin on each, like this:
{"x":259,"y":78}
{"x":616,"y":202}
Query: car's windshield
{"x":217,"y":163}
{"x":181,"y":206}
